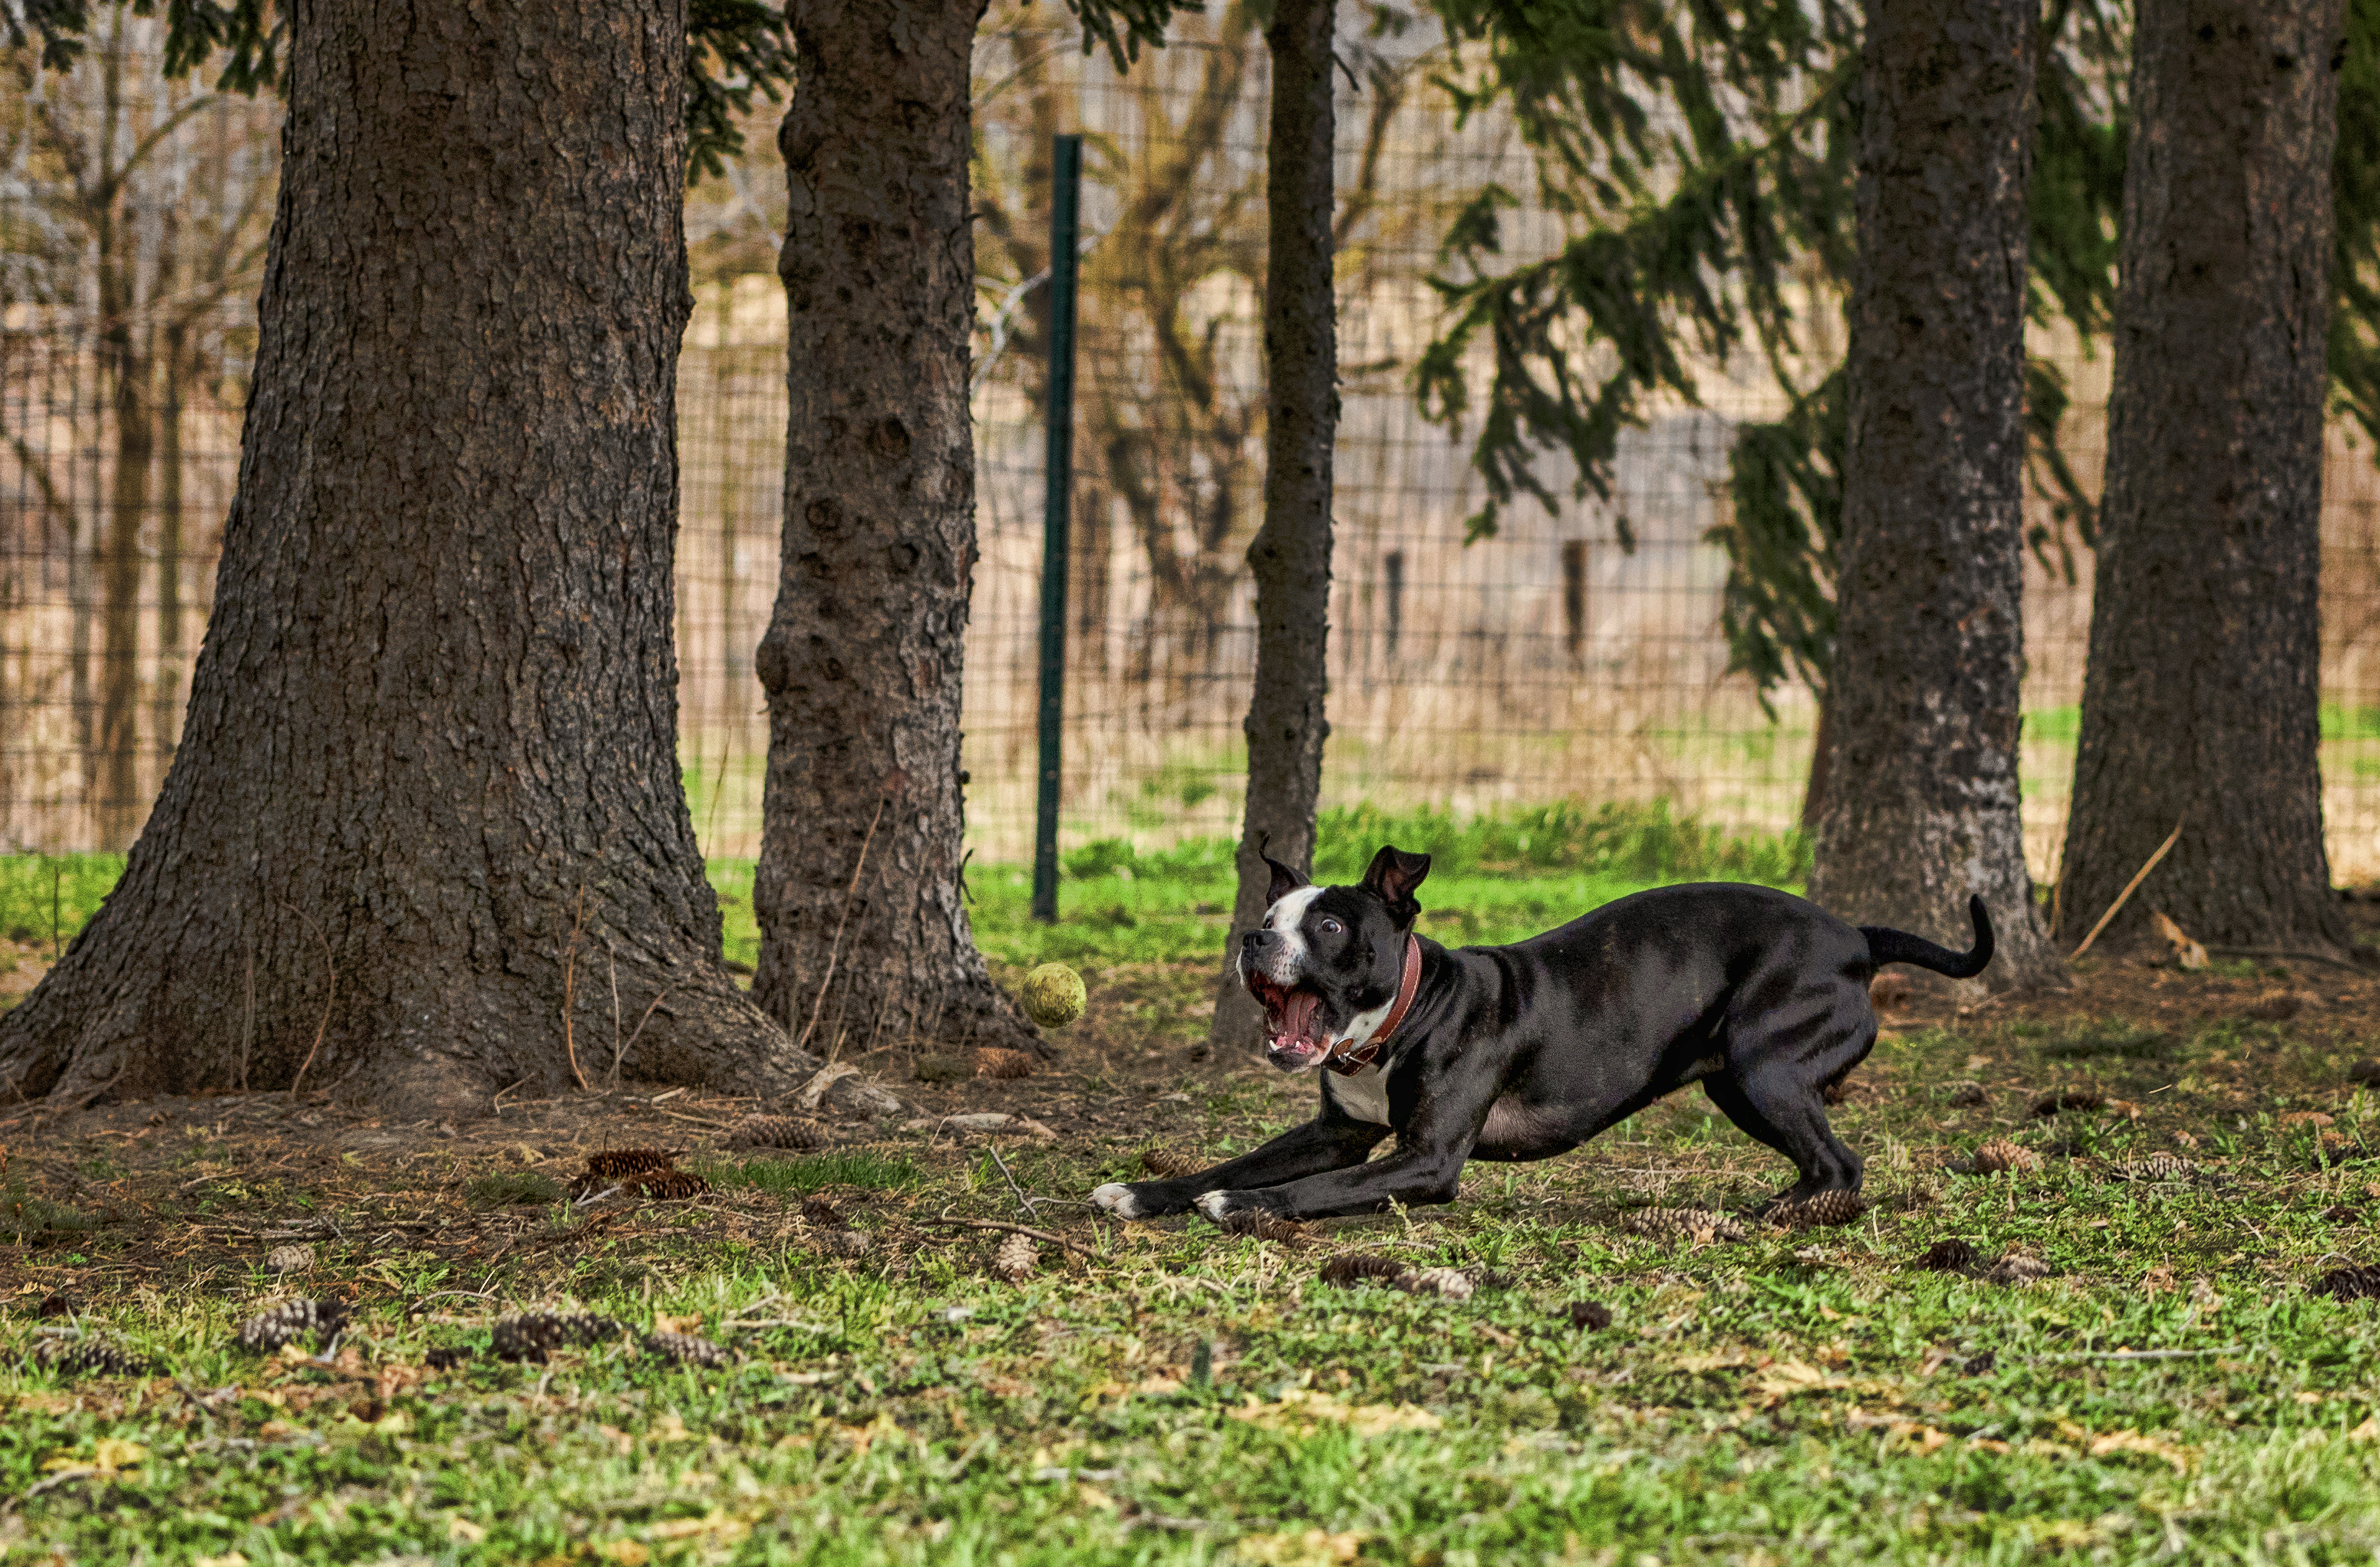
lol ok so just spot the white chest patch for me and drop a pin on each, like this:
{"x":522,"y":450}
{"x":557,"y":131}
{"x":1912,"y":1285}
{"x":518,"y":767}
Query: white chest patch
{"x":1363,"y":1095}
{"x":1288,"y":964}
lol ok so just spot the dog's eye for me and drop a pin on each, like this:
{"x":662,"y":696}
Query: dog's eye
{"x":1331,"y":927}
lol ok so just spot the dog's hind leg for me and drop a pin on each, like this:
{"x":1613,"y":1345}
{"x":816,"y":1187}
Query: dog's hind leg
{"x":1775,"y":1091}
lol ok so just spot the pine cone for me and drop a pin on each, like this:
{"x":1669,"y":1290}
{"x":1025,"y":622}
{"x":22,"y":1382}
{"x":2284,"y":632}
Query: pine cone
{"x":291,"y":1321}
{"x":2001,"y":1154}
{"x":2071,"y":1098}
{"x":2351,"y":1283}
{"x":1447,"y":1283}
{"x":620,"y":1161}
{"x":687,"y":1349}
{"x":1351,"y":1268}
{"x":1168,"y":1165}
{"x":1003,"y":1064}
{"x":824,"y":1215}
{"x":2016,"y":1269}
{"x":79,"y":1358}
{"x":845,"y":1243}
{"x":1261,"y":1225}
{"x":1015,"y":1258}
{"x":2156,"y":1167}
{"x":1694,"y":1223}
{"x":446,"y":1358}
{"x":535,"y":1334}
{"x":289,"y":1258}
{"x":1592,"y":1315}
{"x":1952,"y":1256}
{"x":1823,"y":1208}
{"x":778,"y":1131}
{"x":672,"y":1186}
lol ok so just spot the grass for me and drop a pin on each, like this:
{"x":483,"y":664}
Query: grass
{"x":1183,"y":1396}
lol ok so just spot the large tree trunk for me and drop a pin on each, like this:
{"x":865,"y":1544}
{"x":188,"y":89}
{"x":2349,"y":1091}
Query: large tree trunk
{"x":428,"y":788}
{"x":1920,"y":800}
{"x":2201,"y":701}
{"x":864,"y":932}
{"x":1291,"y":556}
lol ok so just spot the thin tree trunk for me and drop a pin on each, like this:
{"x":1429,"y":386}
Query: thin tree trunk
{"x":864,"y":930}
{"x":1291,"y":556}
{"x":2201,"y":700}
{"x":1921,"y":794}
{"x":428,"y":776}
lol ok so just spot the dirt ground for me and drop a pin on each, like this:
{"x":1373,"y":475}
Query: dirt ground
{"x":195,"y":1191}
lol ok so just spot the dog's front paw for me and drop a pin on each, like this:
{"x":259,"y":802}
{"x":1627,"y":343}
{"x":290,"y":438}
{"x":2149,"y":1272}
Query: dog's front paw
{"x":1221,"y":1205}
{"x":1118,"y":1200}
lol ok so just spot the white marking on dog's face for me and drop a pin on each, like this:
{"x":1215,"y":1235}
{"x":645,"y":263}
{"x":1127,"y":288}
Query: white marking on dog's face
{"x":1364,"y":1094}
{"x":1212,"y":1203}
{"x":1286,"y":964}
{"x":1116,"y":1199}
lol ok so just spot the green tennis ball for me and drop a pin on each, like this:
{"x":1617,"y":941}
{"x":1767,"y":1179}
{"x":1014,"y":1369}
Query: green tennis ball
{"x":1053,"y":995}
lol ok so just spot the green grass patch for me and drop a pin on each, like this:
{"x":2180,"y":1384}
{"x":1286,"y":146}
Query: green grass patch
{"x":511,"y":1189}
{"x":2092,"y":1039}
{"x":49,"y":897}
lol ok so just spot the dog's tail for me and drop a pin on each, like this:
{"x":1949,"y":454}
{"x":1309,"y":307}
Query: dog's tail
{"x":1887,"y":945}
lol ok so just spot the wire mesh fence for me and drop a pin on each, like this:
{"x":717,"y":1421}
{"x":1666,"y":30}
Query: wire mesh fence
{"x":1548,"y":663}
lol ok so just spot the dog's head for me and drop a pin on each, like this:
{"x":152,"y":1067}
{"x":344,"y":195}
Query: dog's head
{"x":1327,"y":960}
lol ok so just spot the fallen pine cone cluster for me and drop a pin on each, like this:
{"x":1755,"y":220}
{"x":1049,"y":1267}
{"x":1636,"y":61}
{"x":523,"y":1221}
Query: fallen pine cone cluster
{"x":1352,"y":1268}
{"x":835,"y":1235}
{"x":1261,"y":1225}
{"x":1003,"y":1065}
{"x":652,"y":1172}
{"x":2156,"y":1167}
{"x":1592,"y":1315}
{"x":290,"y":1320}
{"x":1951,"y":1256}
{"x":1701,"y":1225}
{"x":1826,"y":1207}
{"x":1015,"y":1258}
{"x":83,"y":1357}
{"x":778,"y":1131}
{"x":2351,"y":1283}
{"x":1954,"y":1256}
{"x":687,"y":1349}
{"x":532,"y":1335}
{"x":2050,"y":1104}
{"x":1999,"y":1154}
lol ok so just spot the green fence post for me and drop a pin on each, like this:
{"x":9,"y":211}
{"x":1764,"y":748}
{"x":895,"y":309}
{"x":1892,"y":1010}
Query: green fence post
{"x":1065,"y":197}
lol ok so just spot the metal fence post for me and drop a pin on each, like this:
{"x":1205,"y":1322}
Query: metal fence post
{"x":1066,"y":194}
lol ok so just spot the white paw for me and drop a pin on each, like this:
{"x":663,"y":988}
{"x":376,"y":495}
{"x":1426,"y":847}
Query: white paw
{"x":1215,"y":1204}
{"x":1116,"y":1197}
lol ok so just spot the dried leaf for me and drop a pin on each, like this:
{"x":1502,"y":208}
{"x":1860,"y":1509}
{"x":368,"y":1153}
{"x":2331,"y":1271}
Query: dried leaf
{"x":2187,"y":954}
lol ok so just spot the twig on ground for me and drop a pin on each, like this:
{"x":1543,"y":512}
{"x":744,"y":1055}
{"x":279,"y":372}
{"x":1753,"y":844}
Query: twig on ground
{"x":618,"y":1050}
{"x":1078,"y":1250}
{"x":1023,"y":1201}
{"x":2129,"y":887}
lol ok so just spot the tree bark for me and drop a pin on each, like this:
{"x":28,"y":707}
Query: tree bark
{"x":2201,"y":700}
{"x":426,"y":810}
{"x":1921,"y":795}
{"x":1291,"y":555}
{"x":859,"y":891}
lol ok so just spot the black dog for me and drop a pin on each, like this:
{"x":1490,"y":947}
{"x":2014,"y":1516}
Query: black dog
{"x":1525,"y":1052}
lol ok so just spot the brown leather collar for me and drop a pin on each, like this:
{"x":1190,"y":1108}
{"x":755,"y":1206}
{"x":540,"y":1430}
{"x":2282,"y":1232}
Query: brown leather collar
{"x":1347,"y":1063}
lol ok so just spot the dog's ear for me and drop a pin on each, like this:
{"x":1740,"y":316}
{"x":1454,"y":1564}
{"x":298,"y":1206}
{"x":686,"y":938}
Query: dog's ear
{"x":1284,"y":880}
{"x":1393,"y":876}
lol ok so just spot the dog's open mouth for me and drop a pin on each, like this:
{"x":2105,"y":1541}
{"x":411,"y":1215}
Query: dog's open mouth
{"x":1293,"y":1022}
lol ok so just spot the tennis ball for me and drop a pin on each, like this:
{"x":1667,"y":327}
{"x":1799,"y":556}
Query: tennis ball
{"x":1053,"y":995}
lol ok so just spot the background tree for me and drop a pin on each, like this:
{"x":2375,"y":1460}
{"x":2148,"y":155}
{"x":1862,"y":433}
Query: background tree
{"x":2201,"y":698}
{"x":1291,"y":556}
{"x":1704,"y":156}
{"x":859,"y":890}
{"x":1921,"y":809}
{"x":427,"y":815}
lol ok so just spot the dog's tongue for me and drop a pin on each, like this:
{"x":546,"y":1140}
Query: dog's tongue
{"x":1292,"y":1021}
